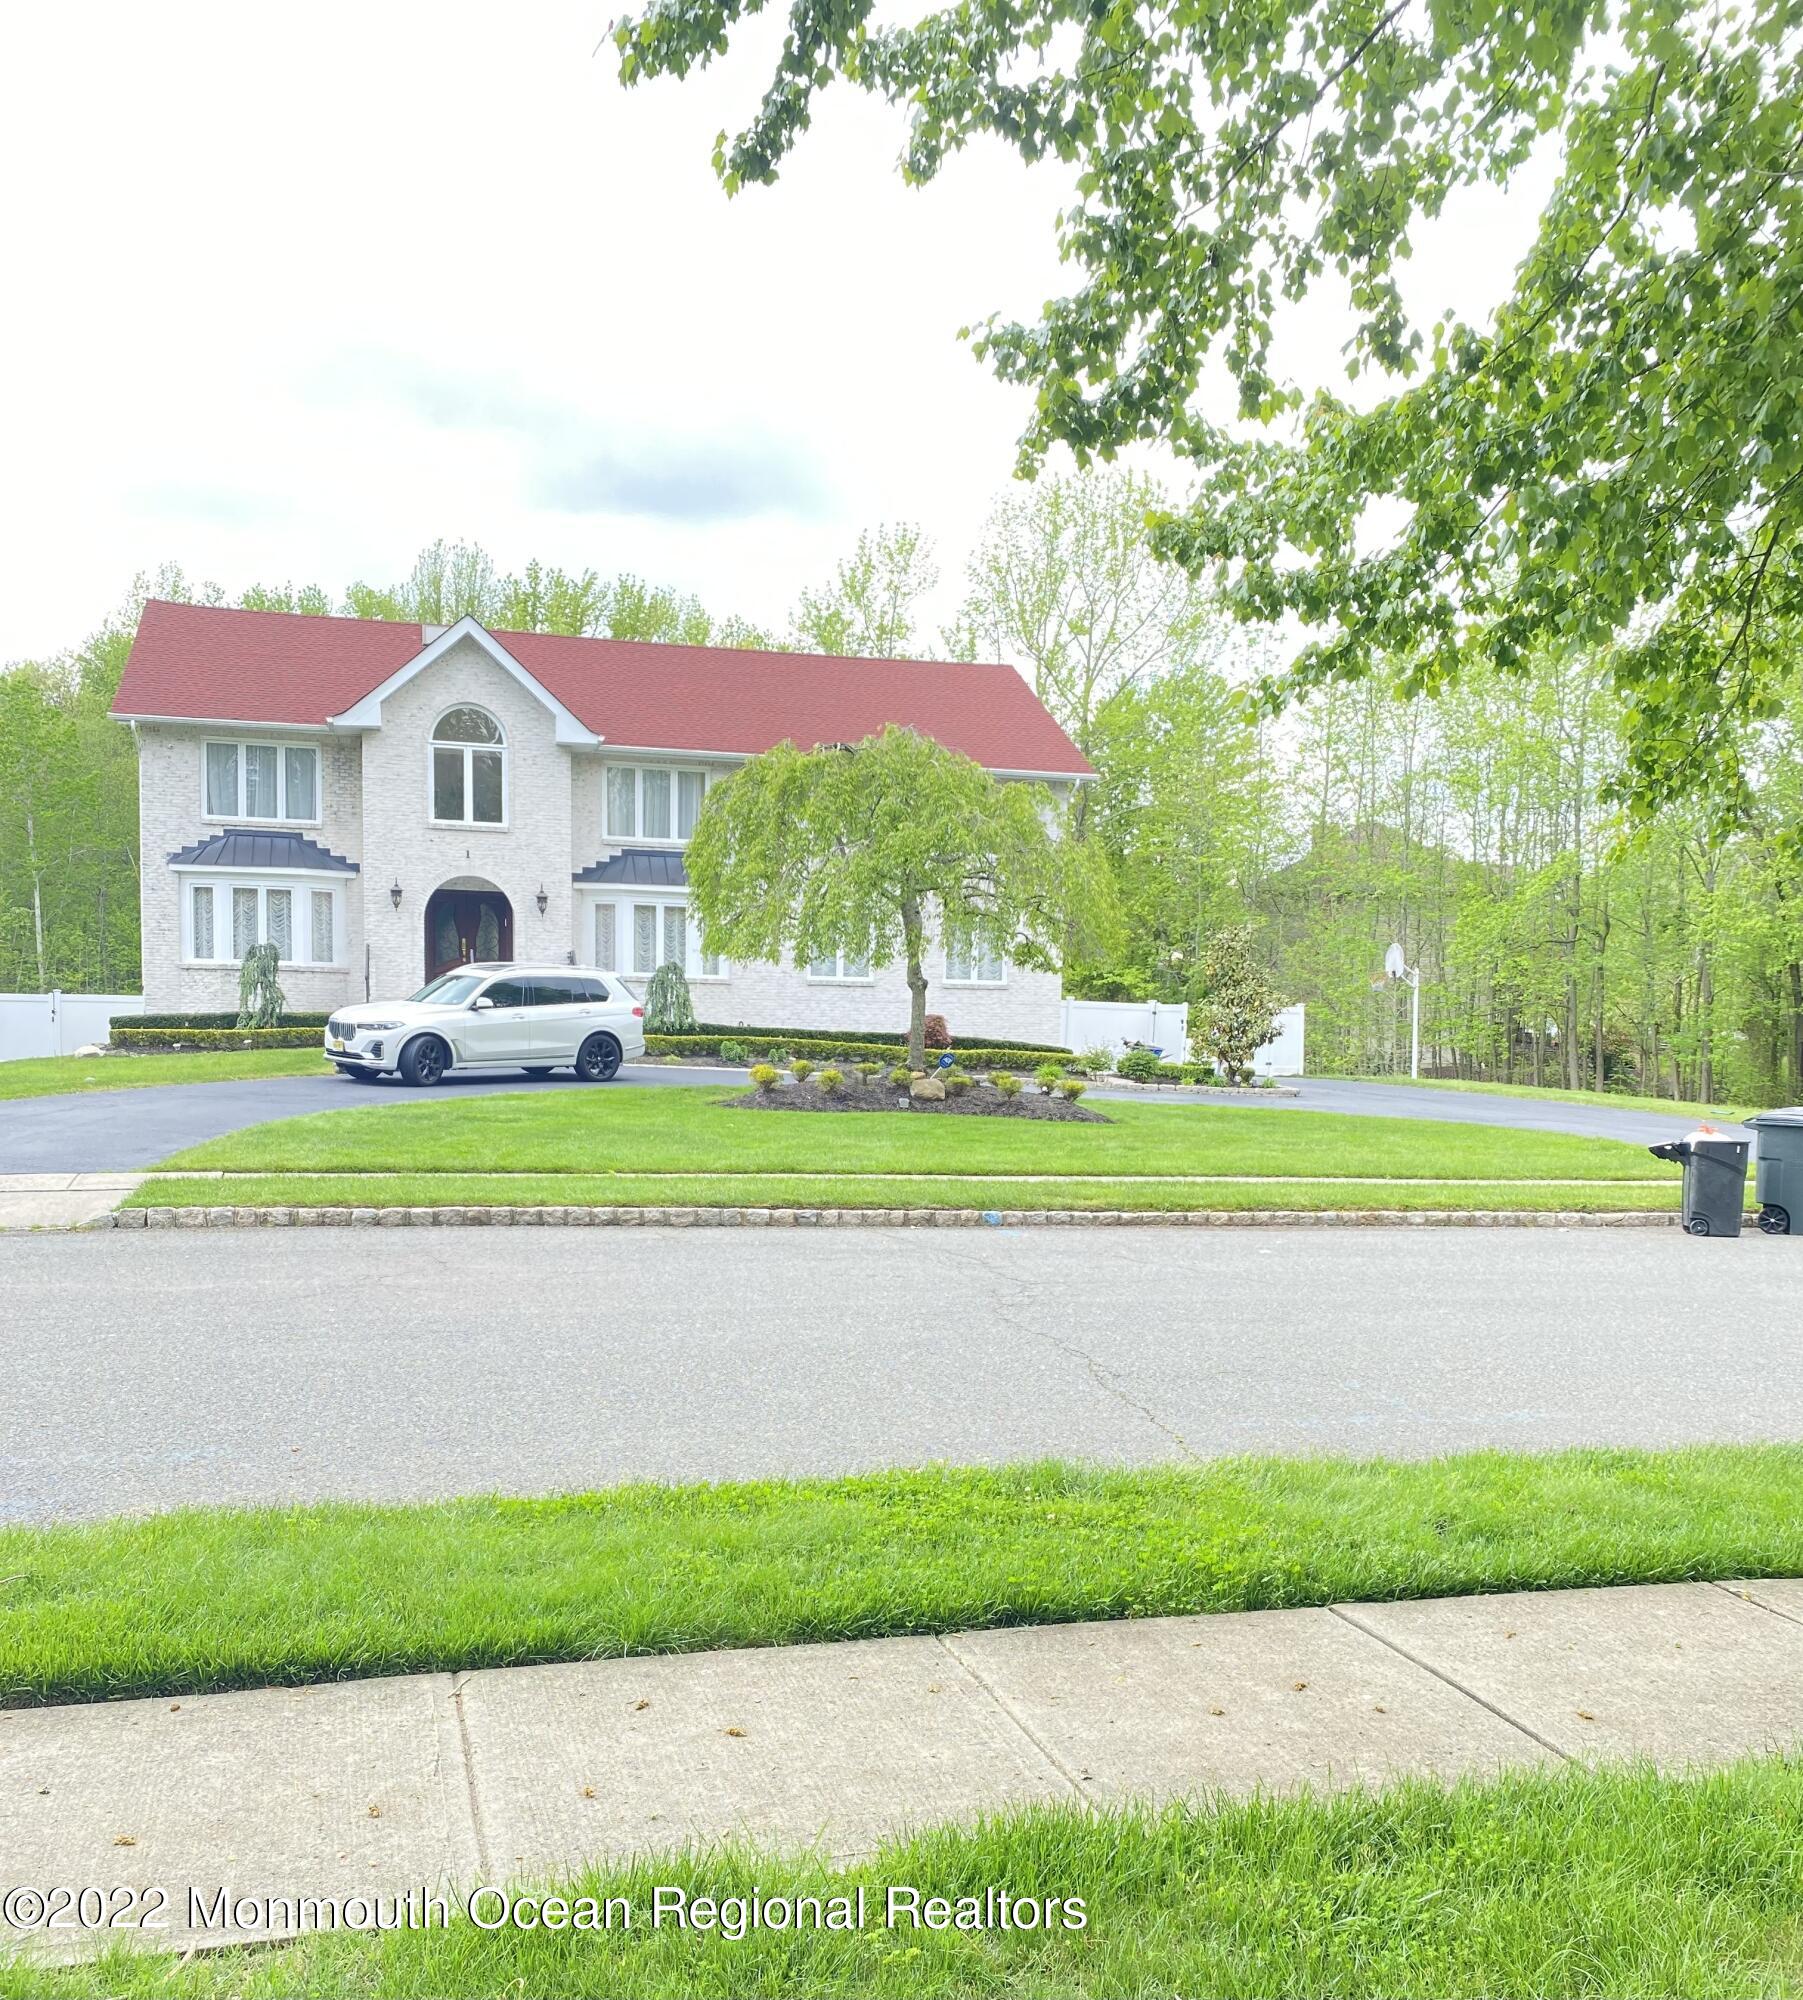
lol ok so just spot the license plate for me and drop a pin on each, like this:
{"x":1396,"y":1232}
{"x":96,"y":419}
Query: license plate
{"x":338,"y":1041}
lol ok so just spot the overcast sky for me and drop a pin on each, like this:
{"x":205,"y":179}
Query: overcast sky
{"x":292,"y":292}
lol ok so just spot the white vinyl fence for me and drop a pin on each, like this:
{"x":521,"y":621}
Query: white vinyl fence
{"x":57,"y":1024}
{"x":1090,"y":1024}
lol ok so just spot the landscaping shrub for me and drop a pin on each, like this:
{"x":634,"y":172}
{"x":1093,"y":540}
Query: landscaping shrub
{"x":765,"y":1077}
{"x":668,"y":1009}
{"x":844,"y":1052}
{"x":734,"y":1052}
{"x":901,"y":1076}
{"x":1048,"y":1076}
{"x":1139,"y":1066}
{"x":260,"y":996}
{"x":1072,"y":1088}
{"x":229,"y":1020}
{"x":801,"y":1069}
{"x":867,"y":1069}
{"x":891,"y":1043}
{"x":1008,"y":1084}
{"x":830,"y":1080}
{"x":956,"y":1081}
{"x":1093,"y":1062}
{"x":178,"y":1039}
{"x":938,"y":1035}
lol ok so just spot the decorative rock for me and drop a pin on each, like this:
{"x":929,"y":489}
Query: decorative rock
{"x":928,"y":1088}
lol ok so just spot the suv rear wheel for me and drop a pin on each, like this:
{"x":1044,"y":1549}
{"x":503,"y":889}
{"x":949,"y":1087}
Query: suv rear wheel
{"x":424,"y":1061}
{"x":598,"y":1059}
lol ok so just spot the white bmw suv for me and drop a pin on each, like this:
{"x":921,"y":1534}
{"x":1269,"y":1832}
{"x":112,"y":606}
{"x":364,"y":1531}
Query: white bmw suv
{"x":493,"y":1017}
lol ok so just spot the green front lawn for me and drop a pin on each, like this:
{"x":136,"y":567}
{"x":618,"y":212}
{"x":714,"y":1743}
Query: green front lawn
{"x":49,"y":1076}
{"x":202,"y":1600}
{"x":683,"y":1129}
{"x":458,"y":1190}
{"x":1573,"y":1883}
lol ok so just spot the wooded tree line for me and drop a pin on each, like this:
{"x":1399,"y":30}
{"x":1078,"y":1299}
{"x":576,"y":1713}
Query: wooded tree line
{"x":1561,"y":941}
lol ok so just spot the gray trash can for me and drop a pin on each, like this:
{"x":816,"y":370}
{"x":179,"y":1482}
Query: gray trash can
{"x":1778,"y":1172}
{"x":1715,"y":1181}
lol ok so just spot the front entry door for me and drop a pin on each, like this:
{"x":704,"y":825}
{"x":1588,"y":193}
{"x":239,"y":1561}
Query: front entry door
{"x":466,"y":924}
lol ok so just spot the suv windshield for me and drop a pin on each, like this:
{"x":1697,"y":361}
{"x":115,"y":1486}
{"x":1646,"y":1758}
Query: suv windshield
{"x":448,"y":989}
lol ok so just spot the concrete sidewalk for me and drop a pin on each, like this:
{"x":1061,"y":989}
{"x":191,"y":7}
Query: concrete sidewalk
{"x":60,"y":1201}
{"x":446,"y":1781}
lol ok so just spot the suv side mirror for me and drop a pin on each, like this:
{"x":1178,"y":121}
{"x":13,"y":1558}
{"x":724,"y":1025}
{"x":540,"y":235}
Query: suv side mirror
{"x":481,"y":1000}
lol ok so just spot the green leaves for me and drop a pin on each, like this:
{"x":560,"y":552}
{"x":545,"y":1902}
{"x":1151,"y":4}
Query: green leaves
{"x":1615,"y":461}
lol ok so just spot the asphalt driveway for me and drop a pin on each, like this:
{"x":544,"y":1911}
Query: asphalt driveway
{"x":97,"y":1131}
{"x":149,"y":1369}
{"x":91,"y":1131}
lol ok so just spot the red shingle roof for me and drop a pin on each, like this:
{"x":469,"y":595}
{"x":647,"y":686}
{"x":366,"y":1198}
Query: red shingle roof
{"x":209,"y":664}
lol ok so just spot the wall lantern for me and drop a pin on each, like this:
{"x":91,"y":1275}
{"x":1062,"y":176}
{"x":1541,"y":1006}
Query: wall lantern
{"x":394,"y":894}
{"x":544,"y":901}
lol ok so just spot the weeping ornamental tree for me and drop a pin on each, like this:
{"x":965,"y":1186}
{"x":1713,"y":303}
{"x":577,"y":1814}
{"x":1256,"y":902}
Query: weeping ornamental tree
{"x":260,"y":997}
{"x":857,"y":849}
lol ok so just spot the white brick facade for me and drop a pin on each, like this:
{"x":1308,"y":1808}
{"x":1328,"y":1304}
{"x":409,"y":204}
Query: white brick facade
{"x":376,"y":811}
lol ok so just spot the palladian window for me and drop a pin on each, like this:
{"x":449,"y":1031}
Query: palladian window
{"x":469,"y":769}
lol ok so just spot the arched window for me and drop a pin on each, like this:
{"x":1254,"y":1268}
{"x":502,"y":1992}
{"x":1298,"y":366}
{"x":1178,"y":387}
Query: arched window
{"x":469,"y":768}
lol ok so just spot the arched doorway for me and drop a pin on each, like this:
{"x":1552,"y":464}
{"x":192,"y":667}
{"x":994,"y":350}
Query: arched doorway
{"x":466,"y":920}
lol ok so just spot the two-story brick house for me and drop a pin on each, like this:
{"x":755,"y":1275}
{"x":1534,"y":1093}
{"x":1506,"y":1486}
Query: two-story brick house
{"x":383,"y":800}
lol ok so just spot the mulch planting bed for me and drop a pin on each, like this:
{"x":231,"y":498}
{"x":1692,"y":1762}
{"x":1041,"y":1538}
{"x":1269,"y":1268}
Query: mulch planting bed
{"x":981,"y":1100}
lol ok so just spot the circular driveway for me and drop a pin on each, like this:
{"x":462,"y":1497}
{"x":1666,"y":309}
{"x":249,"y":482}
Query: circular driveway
{"x":94,"y":1131}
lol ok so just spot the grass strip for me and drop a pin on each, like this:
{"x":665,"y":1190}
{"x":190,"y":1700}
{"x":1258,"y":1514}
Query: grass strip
{"x":1612,"y":1100}
{"x":1573,"y":1883}
{"x":55,"y":1076}
{"x":458,"y":1190}
{"x":672,"y":1127}
{"x":206,"y":1599}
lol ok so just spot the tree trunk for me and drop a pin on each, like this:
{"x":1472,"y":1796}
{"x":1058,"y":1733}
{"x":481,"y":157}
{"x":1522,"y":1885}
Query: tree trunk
{"x":912,"y":932}
{"x":1794,"y":971}
{"x":37,"y":898}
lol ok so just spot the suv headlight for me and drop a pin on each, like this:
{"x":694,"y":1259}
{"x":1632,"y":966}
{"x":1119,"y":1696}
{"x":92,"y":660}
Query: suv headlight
{"x":373,"y":1027}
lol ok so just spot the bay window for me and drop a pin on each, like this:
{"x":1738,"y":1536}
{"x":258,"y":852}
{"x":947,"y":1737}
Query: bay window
{"x":223,"y":917}
{"x":261,"y":781}
{"x":636,"y":936}
{"x":652,"y":802}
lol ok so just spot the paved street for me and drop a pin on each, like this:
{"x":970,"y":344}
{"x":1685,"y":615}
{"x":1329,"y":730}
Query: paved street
{"x":148,"y":1370}
{"x":115,"y":1129}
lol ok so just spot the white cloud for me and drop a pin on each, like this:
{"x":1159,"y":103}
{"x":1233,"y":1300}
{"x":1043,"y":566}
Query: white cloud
{"x":218,"y":214}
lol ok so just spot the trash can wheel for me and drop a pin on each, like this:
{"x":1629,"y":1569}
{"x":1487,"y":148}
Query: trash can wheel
{"x":1698,"y":1225}
{"x":1775,"y":1221}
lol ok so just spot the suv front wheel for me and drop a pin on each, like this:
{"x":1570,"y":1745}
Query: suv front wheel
{"x":423,"y":1061}
{"x":598,"y":1059}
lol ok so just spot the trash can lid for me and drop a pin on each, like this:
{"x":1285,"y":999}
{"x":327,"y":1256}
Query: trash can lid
{"x":1790,"y":1114}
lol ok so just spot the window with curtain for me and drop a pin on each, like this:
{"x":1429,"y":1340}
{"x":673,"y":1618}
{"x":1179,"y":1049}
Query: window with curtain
{"x":843,"y":965}
{"x":266,"y":781}
{"x":637,"y":937}
{"x":974,"y":965}
{"x":651,"y":802}
{"x":469,"y":768}
{"x":226,"y":917}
